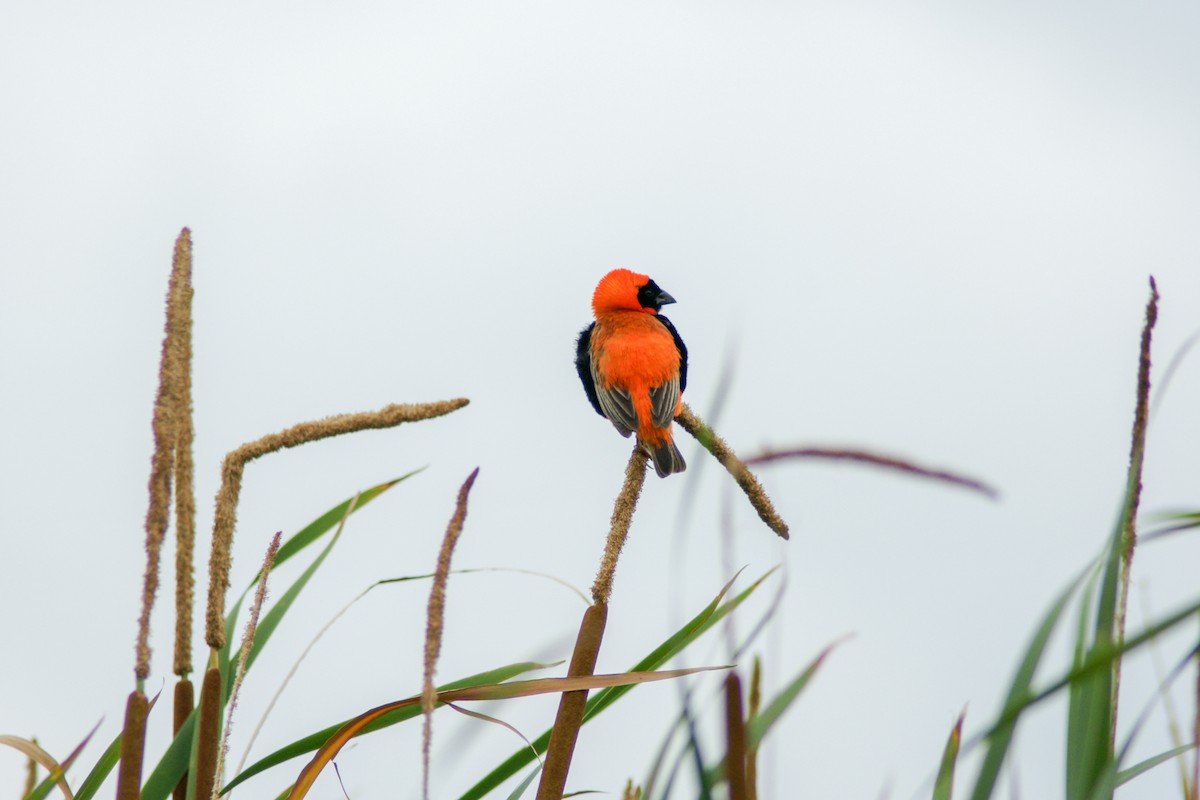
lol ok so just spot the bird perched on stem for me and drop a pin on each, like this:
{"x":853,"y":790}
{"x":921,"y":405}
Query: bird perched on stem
{"x":634,"y":365}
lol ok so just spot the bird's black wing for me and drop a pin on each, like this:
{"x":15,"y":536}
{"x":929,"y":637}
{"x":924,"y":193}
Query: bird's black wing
{"x":583,"y":365}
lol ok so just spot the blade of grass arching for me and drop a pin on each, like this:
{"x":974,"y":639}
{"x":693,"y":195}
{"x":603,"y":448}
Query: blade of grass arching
{"x":524,"y":785}
{"x":943,"y":787}
{"x":34,"y":752}
{"x":57,"y":776}
{"x":759,"y":725}
{"x":327,"y":521}
{"x":1090,"y":698}
{"x":1079,"y":709}
{"x":1000,"y":736}
{"x":1098,"y":659}
{"x":757,"y":728}
{"x":173,"y":764}
{"x":694,"y":628}
{"x":495,"y":691}
{"x":295,"y":544}
{"x":100,"y":770}
{"x":272,"y":618}
{"x":314,"y":741}
{"x":1126,"y":775}
{"x":713,"y":613}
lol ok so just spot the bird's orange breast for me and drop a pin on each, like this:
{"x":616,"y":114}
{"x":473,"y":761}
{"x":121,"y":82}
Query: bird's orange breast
{"x":633,"y":351}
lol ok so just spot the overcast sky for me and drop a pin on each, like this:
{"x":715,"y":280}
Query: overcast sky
{"x":924,"y":229}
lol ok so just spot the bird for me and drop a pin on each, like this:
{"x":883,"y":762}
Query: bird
{"x":633,"y":364}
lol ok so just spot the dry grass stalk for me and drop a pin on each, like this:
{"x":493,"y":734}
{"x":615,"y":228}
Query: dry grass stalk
{"x":714,"y":444}
{"x":622,"y":517}
{"x":31,"y":772}
{"x":752,"y":751}
{"x":571,"y":706}
{"x":260,"y":596}
{"x":133,"y":740}
{"x":231,"y":484}
{"x":888,"y":462}
{"x":208,"y":731}
{"x":165,"y":425}
{"x":435,"y":617}
{"x":735,"y":730}
{"x":184,"y":701}
{"x":185,"y":494}
{"x":1137,"y":450}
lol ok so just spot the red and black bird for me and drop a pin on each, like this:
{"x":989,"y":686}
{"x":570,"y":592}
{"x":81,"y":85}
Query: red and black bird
{"x":633,"y":364}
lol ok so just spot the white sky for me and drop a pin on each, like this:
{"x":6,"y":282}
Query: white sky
{"x":923,"y":229}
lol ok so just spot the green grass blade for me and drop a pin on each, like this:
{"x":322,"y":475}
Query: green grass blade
{"x":314,"y":741}
{"x":943,"y":787}
{"x":524,"y":785}
{"x":295,"y":544}
{"x":108,"y":759}
{"x":172,"y":765}
{"x":307,"y":536}
{"x":757,"y":728}
{"x":328,"y":521}
{"x":694,"y":628}
{"x":999,"y":738}
{"x":1126,"y":775}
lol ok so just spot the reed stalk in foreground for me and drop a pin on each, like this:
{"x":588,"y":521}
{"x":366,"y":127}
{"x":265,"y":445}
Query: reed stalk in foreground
{"x":435,"y":618}
{"x":735,"y":738}
{"x":571,"y":705}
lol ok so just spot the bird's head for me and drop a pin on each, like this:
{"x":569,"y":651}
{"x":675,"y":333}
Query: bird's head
{"x":625,"y":290}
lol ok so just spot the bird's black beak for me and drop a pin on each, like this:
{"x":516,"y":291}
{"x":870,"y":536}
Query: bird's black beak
{"x":651,"y":296}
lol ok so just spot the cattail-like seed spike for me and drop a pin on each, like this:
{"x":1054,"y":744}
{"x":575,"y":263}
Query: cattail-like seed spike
{"x":208,"y":732}
{"x":567,"y":722}
{"x":165,"y":425}
{"x":714,"y":444}
{"x":735,"y":730}
{"x":185,"y":492}
{"x":435,"y":618}
{"x":133,"y":741}
{"x":185,"y":700}
{"x":622,"y":518}
{"x":225,"y":517}
{"x":260,"y":596}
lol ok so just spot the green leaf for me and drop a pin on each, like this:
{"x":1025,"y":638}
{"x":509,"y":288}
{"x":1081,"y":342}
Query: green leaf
{"x":757,"y":728}
{"x":943,"y":787}
{"x":294,"y":545}
{"x":1000,"y":737}
{"x":173,"y":764}
{"x":314,"y":741}
{"x":1126,"y":775}
{"x":694,"y":628}
{"x":108,"y":760}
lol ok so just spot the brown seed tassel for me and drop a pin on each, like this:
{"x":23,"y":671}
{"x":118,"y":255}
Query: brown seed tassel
{"x":209,"y":731}
{"x":133,"y":739}
{"x":570,"y":707}
{"x":185,"y":699}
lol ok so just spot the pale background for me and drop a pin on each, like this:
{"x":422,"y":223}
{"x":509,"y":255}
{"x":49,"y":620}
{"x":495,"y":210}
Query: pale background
{"x":921,"y":228}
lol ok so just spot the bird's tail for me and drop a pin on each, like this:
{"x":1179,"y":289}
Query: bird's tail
{"x":666,"y":457}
